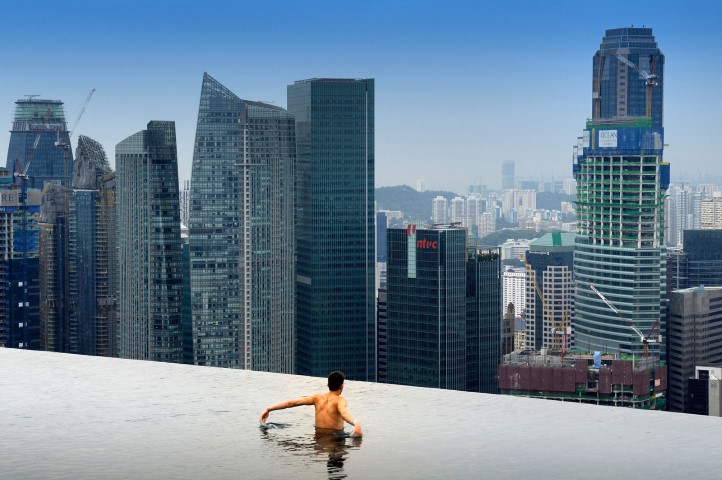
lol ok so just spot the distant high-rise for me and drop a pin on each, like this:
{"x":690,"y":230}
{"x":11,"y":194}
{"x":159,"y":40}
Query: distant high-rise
{"x":457,"y":211}
{"x":507,"y":175}
{"x":241,"y":233}
{"x":438,"y":210}
{"x":185,"y":202}
{"x":44,"y":121}
{"x":335,"y":222}
{"x":621,"y":185}
{"x":551,"y":259}
{"x":149,"y":245}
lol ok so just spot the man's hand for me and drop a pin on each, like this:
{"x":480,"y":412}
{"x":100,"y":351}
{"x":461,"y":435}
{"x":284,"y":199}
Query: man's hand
{"x":264,"y":416}
{"x":357,"y":432}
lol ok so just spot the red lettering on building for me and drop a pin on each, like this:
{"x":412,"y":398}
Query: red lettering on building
{"x":423,"y":243}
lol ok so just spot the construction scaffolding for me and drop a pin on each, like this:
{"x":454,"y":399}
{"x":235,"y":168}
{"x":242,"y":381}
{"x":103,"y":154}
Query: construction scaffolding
{"x":613,"y":380}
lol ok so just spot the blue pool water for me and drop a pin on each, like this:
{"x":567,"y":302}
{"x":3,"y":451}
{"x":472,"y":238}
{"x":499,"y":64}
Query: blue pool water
{"x":65,"y":416}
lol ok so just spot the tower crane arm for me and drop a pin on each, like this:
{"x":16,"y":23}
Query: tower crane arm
{"x":619,"y":314}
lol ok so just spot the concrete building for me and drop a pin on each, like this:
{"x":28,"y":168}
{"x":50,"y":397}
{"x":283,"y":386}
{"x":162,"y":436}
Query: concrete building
{"x":515,"y":249}
{"x":705,"y":391}
{"x":551,"y":268}
{"x":514,"y":289}
{"x":695,"y":338}
{"x":507,"y":175}
{"x":458,"y":212}
{"x":711,"y":213}
{"x":438,"y":210}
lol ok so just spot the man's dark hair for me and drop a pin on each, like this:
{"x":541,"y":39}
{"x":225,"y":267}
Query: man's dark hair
{"x":335,"y":380}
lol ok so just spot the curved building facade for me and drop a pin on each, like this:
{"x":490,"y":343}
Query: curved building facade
{"x":621,"y":185}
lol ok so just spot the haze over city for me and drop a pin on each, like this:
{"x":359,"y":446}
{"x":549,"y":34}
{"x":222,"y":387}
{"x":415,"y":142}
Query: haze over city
{"x":460,"y":86}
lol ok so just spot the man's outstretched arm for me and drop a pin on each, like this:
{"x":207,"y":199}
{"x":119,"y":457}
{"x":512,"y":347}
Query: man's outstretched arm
{"x":287,"y":404}
{"x":348,"y":418}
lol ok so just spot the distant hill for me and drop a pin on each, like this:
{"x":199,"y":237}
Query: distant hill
{"x":415,"y":205}
{"x":552,"y":201}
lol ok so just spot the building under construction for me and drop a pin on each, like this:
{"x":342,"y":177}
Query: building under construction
{"x":595,"y":378}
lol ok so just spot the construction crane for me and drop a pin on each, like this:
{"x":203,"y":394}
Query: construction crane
{"x":644,"y":339}
{"x":557,"y":331}
{"x":650,"y":78}
{"x":66,"y":146}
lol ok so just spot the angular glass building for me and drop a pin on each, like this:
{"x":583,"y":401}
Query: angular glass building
{"x":621,"y":185}
{"x":149,"y":245}
{"x":241,"y":233}
{"x":42,"y":121}
{"x":335,"y":226}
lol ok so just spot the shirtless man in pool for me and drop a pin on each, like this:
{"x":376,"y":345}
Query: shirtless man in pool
{"x":330,"y":408}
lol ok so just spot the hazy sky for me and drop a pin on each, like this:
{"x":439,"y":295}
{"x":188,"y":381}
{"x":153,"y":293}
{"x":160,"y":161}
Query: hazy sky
{"x":460,"y":86}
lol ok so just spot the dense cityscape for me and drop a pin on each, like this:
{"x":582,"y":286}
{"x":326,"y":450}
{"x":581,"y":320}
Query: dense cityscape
{"x":282,"y":254}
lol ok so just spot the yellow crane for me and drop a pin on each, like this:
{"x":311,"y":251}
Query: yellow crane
{"x":559,"y":332}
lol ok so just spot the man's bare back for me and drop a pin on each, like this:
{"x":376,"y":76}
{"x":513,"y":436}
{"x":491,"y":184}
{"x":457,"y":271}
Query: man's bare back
{"x":331,"y":409}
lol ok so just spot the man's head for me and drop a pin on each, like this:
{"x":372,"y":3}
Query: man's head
{"x":335,"y":381}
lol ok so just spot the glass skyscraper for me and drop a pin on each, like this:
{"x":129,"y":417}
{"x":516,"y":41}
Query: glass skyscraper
{"x":335,"y":226}
{"x":241,"y":233}
{"x":621,"y":185}
{"x":44,"y":121}
{"x":149,"y":245}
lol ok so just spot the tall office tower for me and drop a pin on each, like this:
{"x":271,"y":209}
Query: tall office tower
{"x":185,"y":202}
{"x":514,"y":289}
{"x":335,"y":221}
{"x":443,"y":310}
{"x":88,"y":254}
{"x":108,"y":276}
{"x":548,"y":320}
{"x":703,"y":257}
{"x":695,"y":329}
{"x":381,"y":228}
{"x":187,"y":319}
{"x":621,"y":184}
{"x":42,"y":121}
{"x":457,"y":211}
{"x":682,"y":203}
{"x":711,"y":213}
{"x":426,"y":307}
{"x":438,"y":210}
{"x":382,"y":345}
{"x":55,"y":332}
{"x":149,"y":245}
{"x":695,"y":211}
{"x":19,"y":289}
{"x":242,"y":233}
{"x":483,"y":312}
{"x":507,"y":175}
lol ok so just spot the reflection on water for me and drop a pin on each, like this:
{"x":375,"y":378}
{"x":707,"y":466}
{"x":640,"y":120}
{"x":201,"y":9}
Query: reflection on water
{"x":330,"y":447}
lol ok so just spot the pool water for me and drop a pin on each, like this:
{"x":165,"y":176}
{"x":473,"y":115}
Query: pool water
{"x":66,"y":416}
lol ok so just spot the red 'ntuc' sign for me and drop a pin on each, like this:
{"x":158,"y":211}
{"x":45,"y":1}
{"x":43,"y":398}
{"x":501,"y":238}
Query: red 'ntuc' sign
{"x":423,"y":243}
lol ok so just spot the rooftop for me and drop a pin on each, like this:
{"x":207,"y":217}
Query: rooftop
{"x":68,"y":416}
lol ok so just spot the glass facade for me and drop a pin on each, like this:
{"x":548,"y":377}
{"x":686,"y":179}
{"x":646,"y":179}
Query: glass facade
{"x":483,"y":318}
{"x":335,"y":226}
{"x":242,"y":233}
{"x":621,"y":187}
{"x":620,"y":91}
{"x":703,"y":249}
{"x":149,"y":245}
{"x":19,"y":278}
{"x":426,"y":307}
{"x":42,"y":121}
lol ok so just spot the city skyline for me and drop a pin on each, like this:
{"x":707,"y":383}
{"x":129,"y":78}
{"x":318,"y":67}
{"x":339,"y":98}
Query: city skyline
{"x":503,"y":85}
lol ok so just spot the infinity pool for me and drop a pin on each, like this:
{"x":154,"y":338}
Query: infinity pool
{"x":65,"y":416}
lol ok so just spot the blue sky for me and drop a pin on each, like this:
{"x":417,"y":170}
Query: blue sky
{"x":460,"y":86}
